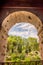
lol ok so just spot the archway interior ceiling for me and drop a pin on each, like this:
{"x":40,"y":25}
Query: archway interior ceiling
{"x":16,"y":17}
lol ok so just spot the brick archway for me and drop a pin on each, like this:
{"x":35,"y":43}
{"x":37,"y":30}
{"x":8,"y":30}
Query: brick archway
{"x":16,"y":17}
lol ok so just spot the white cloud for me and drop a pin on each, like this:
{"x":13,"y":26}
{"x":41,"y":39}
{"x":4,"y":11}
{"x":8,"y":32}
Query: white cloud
{"x":24,"y":30}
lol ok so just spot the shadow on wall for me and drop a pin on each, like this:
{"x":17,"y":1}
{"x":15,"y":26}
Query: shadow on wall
{"x":21,"y":3}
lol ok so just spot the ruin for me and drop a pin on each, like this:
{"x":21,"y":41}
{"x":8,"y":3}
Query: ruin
{"x":17,"y":17}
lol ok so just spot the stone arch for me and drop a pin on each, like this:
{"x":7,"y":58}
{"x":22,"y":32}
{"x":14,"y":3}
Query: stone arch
{"x":16,"y":17}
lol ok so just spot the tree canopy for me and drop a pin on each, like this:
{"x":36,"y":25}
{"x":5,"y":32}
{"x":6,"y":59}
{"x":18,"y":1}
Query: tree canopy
{"x":22,"y":49}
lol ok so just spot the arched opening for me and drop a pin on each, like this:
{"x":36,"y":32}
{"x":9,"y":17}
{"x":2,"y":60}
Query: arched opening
{"x":18,"y":17}
{"x":23,"y":43}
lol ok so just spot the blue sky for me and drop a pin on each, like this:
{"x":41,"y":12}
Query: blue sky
{"x":24,"y":30}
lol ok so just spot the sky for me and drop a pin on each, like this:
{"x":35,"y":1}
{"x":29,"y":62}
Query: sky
{"x":24,"y":30}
